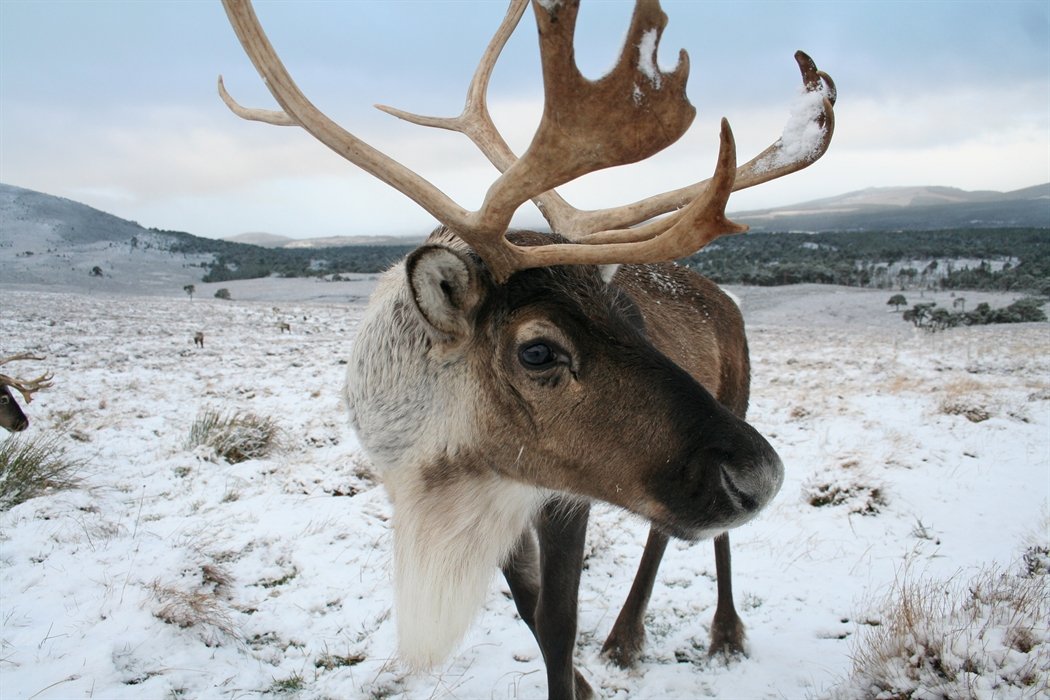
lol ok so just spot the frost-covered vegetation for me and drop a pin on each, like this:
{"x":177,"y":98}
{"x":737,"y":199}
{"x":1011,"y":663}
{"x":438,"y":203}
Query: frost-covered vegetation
{"x":916,"y":464}
{"x":979,"y":636}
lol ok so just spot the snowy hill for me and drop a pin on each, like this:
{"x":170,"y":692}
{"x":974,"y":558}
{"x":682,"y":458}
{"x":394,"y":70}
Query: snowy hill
{"x":52,"y":241}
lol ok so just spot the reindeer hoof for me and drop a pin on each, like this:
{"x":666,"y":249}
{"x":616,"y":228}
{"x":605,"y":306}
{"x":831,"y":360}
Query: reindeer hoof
{"x":727,"y":636}
{"x":624,"y":649}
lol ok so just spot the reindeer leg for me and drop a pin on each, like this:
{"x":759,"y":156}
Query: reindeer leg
{"x":563,"y":540}
{"x":627,"y":638}
{"x":562,"y":528}
{"x":522,"y":572}
{"x":727,"y":631}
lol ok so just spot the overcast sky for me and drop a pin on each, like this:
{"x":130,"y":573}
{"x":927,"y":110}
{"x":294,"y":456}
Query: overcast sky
{"x":114,"y":104}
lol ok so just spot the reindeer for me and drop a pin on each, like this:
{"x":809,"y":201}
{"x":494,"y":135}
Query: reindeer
{"x":12,"y":418}
{"x":501,"y":381}
{"x":198,"y":339}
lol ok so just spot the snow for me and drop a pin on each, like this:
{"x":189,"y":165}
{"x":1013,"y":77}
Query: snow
{"x":165,"y":574}
{"x":647,"y":57}
{"x":802,"y":135}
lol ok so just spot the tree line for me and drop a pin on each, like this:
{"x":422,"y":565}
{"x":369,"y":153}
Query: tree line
{"x":1005,"y":259}
{"x":1008,"y":259}
{"x":239,"y":261}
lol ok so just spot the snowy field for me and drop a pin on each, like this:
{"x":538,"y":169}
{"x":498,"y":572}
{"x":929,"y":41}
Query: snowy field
{"x":170,"y":574}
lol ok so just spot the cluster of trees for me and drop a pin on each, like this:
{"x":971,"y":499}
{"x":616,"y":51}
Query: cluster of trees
{"x":936,"y":318}
{"x":238,"y":261}
{"x":879,"y":259}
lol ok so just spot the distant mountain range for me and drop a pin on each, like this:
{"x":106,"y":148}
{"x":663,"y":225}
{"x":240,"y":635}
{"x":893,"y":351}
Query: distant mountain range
{"x":908,"y":209}
{"x":50,"y":240}
{"x":873,"y":209}
{"x":272,"y":240}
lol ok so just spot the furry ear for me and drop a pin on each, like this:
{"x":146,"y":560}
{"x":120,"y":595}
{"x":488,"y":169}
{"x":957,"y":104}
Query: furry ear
{"x":446,"y":288}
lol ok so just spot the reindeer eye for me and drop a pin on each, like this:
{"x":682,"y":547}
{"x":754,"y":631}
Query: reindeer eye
{"x":536,"y":355}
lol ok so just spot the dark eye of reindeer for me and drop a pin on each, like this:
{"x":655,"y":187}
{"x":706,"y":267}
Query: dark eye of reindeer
{"x":536,"y":355}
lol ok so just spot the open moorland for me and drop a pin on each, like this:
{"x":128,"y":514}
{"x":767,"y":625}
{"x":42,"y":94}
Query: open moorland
{"x":906,"y":553}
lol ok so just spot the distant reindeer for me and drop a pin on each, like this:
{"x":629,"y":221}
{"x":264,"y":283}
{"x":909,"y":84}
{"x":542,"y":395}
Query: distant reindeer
{"x":285,"y":327}
{"x":500,"y":381}
{"x":12,"y":417}
{"x":198,"y":339}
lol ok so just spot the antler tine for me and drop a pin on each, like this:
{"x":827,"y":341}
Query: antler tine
{"x":807,"y":134}
{"x":20,"y":356}
{"x":297,"y":110}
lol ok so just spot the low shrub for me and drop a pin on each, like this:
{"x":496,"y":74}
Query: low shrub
{"x":235,"y":437}
{"x":31,"y":466}
{"x":980,"y":638}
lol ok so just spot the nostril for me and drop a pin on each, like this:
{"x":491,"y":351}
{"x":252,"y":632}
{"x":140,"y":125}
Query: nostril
{"x":744,"y":500}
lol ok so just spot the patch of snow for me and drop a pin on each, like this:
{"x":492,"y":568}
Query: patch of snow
{"x":802,"y":134}
{"x":647,"y":58}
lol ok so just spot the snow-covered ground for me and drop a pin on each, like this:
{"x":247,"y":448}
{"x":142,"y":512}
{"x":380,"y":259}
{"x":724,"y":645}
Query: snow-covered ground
{"x":168,"y":574}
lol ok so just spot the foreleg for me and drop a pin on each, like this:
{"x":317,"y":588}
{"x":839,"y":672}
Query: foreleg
{"x":627,"y":638}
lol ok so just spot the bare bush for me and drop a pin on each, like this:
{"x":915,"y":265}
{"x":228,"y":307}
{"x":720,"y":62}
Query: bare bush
{"x":984,"y":637}
{"x":33,"y":466}
{"x":235,"y":437}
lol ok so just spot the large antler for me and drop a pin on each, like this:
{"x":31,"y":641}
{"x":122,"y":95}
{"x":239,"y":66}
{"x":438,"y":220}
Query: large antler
{"x":26,"y":387}
{"x":632,"y":113}
{"x":806,"y":138}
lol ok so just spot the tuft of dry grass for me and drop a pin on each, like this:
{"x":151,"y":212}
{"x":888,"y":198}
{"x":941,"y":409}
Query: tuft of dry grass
{"x":201,"y":609}
{"x":850,"y":485}
{"x":984,"y":637}
{"x":968,"y":398}
{"x":235,"y":437}
{"x":31,"y":466}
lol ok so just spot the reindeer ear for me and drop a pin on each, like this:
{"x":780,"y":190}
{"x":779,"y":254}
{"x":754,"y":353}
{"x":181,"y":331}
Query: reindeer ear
{"x":446,"y":288}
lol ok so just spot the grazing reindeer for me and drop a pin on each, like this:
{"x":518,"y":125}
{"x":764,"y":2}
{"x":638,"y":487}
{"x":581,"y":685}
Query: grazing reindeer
{"x":501,"y":381}
{"x":284,"y":327}
{"x":198,"y":339}
{"x":12,"y":418}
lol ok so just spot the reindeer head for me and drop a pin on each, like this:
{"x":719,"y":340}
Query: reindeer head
{"x":12,"y":418}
